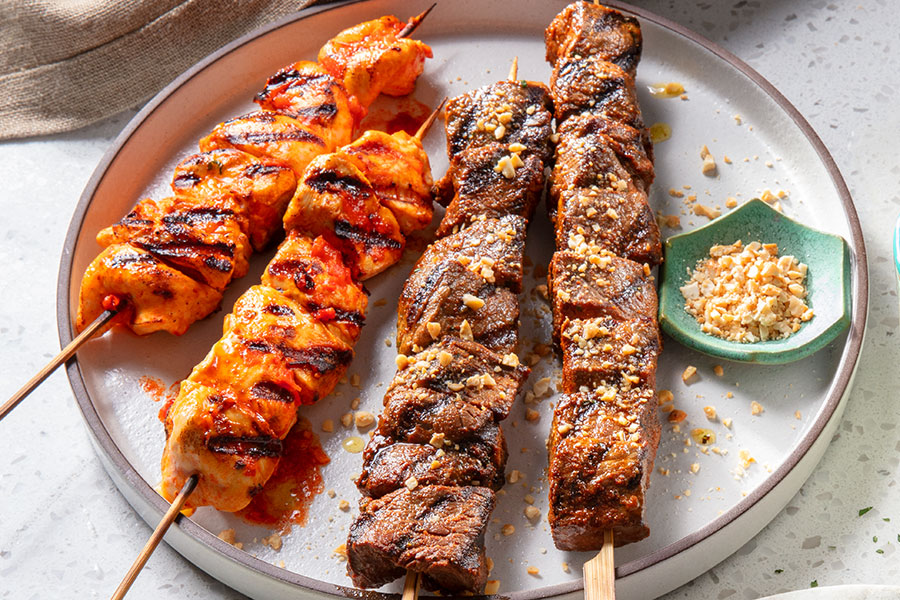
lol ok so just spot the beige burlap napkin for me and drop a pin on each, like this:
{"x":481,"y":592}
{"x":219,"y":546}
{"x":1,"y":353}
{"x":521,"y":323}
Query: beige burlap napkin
{"x":65,"y":64}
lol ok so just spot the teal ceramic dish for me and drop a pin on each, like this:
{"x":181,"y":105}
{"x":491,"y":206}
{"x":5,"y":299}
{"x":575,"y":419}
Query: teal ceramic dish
{"x":897,"y":249}
{"x":827,"y":282}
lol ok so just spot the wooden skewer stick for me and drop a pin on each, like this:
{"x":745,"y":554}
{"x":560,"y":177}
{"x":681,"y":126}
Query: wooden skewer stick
{"x":157,"y":536}
{"x":411,"y":586}
{"x":600,"y":572}
{"x":415,"y":22}
{"x":423,"y":129}
{"x":514,"y":69}
{"x":64,"y":355}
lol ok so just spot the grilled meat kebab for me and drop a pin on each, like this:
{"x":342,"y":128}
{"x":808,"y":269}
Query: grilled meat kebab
{"x":289,"y":340}
{"x":171,"y":259}
{"x":438,"y":455}
{"x":605,"y":429}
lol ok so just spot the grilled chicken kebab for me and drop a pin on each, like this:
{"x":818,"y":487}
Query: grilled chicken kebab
{"x":438,"y":454}
{"x":605,"y":428}
{"x":171,"y":259}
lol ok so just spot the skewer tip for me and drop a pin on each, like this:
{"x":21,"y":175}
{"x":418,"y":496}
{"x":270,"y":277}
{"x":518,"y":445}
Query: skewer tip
{"x":514,"y":69}
{"x":171,"y":514}
{"x":415,"y":22}
{"x":600,"y":572}
{"x":423,"y":129}
{"x":411,"y":586}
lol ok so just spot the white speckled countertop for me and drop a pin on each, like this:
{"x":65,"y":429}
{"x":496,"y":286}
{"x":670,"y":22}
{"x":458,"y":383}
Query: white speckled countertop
{"x":66,"y":532}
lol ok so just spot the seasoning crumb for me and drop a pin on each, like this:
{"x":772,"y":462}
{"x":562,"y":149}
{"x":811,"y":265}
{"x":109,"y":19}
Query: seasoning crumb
{"x":347,"y":419}
{"x":508,"y":529}
{"x":565,"y":567}
{"x":730,"y":202}
{"x":746,"y":459}
{"x":344,"y":505}
{"x":695,"y":468}
{"x":672,"y":221}
{"x":341,"y":552}
{"x":677,"y":416}
{"x":492,"y":586}
{"x":364,"y":419}
{"x":718,"y":370}
{"x":708,"y":167}
{"x":797,"y":415}
{"x":327,"y":425}
{"x":726,"y":423}
{"x":756,"y":408}
{"x":666,"y":396}
{"x":689,"y":372}
{"x":701,"y":210}
{"x":710,"y":412}
{"x":532,"y":415}
{"x":532,"y":512}
{"x":533,"y":571}
{"x":227,"y":536}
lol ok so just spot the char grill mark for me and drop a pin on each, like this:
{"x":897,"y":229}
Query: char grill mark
{"x":267,"y":137}
{"x":369,"y":239}
{"x":321,"y":359}
{"x":266,"y":390}
{"x":303,"y":272}
{"x":605,"y":431}
{"x":246,"y":446}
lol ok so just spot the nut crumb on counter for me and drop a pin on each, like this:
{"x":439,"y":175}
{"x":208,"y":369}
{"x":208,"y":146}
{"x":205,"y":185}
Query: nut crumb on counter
{"x":688,"y":373}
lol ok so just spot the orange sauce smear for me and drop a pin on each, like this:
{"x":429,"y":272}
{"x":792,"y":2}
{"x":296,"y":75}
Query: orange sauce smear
{"x":395,"y":114}
{"x":284,"y":500}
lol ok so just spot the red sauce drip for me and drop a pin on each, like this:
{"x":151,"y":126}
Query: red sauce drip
{"x":395,"y":114}
{"x":286,"y":497}
{"x":156,"y":390}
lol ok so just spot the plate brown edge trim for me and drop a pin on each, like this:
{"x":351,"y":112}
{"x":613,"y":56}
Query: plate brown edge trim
{"x":846,"y":367}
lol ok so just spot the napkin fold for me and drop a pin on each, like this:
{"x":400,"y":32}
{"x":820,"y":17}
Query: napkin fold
{"x":65,"y":65}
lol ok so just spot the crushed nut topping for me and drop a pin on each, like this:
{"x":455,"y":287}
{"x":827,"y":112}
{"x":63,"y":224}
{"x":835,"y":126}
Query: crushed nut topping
{"x":748,"y":293}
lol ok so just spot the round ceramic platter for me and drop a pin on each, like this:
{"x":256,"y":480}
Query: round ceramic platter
{"x":703,"y":503}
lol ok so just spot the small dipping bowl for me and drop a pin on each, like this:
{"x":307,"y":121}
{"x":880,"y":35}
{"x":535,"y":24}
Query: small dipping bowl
{"x":897,"y":250}
{"x":827,"y":283}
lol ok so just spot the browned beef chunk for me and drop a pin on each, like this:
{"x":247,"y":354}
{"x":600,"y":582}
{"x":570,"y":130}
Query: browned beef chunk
{"x":593,"y":148}
{"x":602,"y":447}
{"x":593,"y":219}
{"x":434,"y":530}
{"x":608,"y":352}
{"x":388,"y":465}
{"x":483,"y":261}
{"x":604,"y":285}
{"x":588,"y":29}
{"x":477,"y":189}
{"x":455,"y":367}
{"x":506,"y":112}
{"x":494,"y":325}
{"x":594,"y":86}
